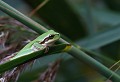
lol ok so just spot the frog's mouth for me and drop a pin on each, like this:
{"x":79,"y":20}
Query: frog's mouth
{"x":51,"y":38}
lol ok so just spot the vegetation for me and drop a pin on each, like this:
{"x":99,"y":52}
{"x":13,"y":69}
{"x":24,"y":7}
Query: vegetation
{"x":89,"y":29}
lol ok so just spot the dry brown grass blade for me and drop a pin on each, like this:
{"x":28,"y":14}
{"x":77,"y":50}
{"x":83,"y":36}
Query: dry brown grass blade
{"x":49,"y":74}
{"x":7,"y":58}
{"x":12,"y":75}
{"x":38,"y":7}
{"x":115,"y":64}
{"x":1,"y":25}
{"x":5,"y":49}
{"x":3,"y":38}
{"x":9,"y":43}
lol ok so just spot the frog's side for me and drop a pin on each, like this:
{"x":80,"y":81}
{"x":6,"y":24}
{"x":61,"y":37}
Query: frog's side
{"x":42,"y":42}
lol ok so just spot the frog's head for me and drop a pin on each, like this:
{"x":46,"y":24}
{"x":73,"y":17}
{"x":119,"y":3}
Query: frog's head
{"x":51,"y":37}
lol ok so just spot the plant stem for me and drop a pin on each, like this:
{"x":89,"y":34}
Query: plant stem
{"x":74,"y":51}
{"x":22,"y":18}
{"x":80,"y":55}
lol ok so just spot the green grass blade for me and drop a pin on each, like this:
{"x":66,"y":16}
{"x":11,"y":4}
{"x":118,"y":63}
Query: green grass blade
{"x":101,"y":39}
{"x":21,"y":17}
{"x":102,"y":69}
{"x":91,"y":27}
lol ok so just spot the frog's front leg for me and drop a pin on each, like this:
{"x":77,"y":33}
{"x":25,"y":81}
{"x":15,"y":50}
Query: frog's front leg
{"x":37,"y":46}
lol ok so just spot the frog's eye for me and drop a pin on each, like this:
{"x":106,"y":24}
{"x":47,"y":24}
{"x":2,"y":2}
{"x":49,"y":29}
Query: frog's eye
{"x":51,"y":36}
{"x":47,"y":39}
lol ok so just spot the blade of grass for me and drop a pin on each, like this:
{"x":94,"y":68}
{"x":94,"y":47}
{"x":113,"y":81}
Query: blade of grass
{"x":38,"y":7}
{"x":21,"y":17}
{"x":90,"y":21}
{"x":75,"y":51}
{"x":101,"y":39}
{"x":102,"y":16}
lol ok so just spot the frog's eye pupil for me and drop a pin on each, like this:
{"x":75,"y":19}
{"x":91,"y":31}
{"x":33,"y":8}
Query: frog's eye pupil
{"x":51,"y":36}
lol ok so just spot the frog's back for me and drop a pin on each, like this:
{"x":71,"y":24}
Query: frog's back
{"x":38,"y":39}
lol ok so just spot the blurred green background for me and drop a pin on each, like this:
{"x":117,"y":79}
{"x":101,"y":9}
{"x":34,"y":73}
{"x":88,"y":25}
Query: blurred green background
{"x":93,"y":24}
